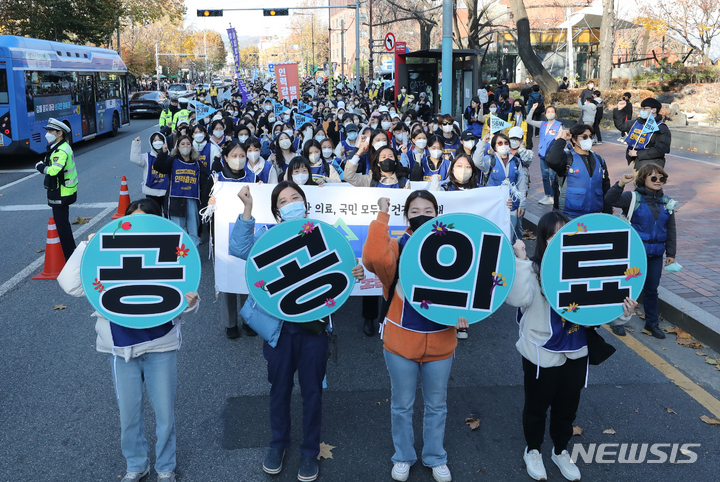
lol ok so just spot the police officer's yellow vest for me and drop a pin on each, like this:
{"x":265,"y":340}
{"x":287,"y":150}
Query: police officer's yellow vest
{"x":61,"y":160}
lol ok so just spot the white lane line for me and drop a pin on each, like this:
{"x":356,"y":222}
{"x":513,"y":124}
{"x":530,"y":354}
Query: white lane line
{"x":32,"y":267}
{"x":42,"y":207}
{"x":696,"y":160}
{"x":19,"y":181}
{"x":13,"y":171}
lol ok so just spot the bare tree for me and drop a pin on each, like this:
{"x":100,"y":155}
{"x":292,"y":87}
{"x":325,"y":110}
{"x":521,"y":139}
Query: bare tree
{"x":427,"y":14}
{"x":532,"y":62}
{"x":483,"y":18}
{"x":607,"y":37}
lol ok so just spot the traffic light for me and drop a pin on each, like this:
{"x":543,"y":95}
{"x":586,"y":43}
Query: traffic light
{"x":209,"y":13}
{"x":275,"y":12}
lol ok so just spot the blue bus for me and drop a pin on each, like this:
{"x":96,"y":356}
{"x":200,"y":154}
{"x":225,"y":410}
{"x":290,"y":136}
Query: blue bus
{"x":84,"y":87}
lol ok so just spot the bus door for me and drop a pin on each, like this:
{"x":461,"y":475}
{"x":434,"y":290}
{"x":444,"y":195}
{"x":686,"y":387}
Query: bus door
{"x":124,"y":99}
{"x":5,"y":121}
{"x":86,"y":91}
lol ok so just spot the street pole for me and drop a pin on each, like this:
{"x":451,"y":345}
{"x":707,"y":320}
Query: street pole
{"x":205,"y":39}
{"x":569,"y":55}
{"x":371,"y":61}
{"x":447,"y":60}
{"x":157,"y":66}
{"x":342,"y":47}
{"x":357,"y":46}
{"x":313,"y":45}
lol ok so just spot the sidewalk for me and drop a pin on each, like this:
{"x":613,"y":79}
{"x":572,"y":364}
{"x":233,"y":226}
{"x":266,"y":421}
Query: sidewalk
{"x":691,"y":297}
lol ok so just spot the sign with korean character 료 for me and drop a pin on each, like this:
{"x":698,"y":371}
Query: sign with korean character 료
{"x":457,"y":265}
{"x":590,"y":266}
{"x":288,"y":84}
{"x":137,"y":269}
{"x":301,"y":270}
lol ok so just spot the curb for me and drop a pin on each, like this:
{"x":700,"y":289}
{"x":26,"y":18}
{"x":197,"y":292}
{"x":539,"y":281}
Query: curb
{"x":704,"y":326}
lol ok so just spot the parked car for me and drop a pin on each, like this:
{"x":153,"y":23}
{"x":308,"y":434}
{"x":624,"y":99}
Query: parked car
{"x":175,"y":91}
{"x":227,"y":82}
{"x":149,"y":102}
{"x":217,"y":82}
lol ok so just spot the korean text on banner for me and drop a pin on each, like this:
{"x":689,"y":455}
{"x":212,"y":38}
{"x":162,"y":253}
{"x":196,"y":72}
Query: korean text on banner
{"x":288,"y":83}
{"x":351,"y":214}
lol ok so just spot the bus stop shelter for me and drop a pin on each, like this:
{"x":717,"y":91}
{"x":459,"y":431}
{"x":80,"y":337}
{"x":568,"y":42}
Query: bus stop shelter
{"x":420,"y":74}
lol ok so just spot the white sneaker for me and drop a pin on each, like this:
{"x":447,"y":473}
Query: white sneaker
{"x":566,"y":465}
{"x":534,"y":465}
{"x":441,"y":473}
{"x":547,"y":200}
{"x":400,"y":471}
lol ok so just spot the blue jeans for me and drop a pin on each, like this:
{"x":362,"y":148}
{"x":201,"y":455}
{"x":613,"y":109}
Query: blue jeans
{"x":403,"y":379}
{"x":191,"y":221}
{"x":159,"y":371}
{"x":650,"y":290}
{"x":548,"y":175}
{"x":516,"y":226}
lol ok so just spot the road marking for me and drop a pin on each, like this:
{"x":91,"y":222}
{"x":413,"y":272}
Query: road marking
{"x":691,"y":388}
{"x":695,"y":160}
{"x":32,"y":267}
{"x":19,"y":180}
{"x":42,"y":207}
{"x":13,"y":171}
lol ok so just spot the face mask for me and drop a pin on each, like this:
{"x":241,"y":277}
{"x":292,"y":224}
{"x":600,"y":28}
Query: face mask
{"x":447,"y":129}
{"x":308,"y":132}
{"x":586,"y":144}
{"x":202,"y":99}
{"x":271,"y":119}
{"x":407,"y":123}
{"x":199,"y":138}
{"x":379,"y":144}
{"x":50,"y":137}
{"x":469,"y":144}
{"x":299,"y":179}
{"x":514,"y":143}
{"x":418,"y":221}
{"x":319,"y":137}
{"x":462,"y":174}
{"x":385,"y":125}
{"x":285,"y":144}
{"x":294,"y":210}
{"x":403,"y":91}
{"x":374,"y":126}
{"x":392,"y":111}
{"x":242,"y":139}
{"x":421,"y":143}
{"x":517,"y":108}
{"x":503,"y":150}
{"x":286,"y":117}
{"x":314,"y":158}
{"x":185,"y":151}
{"x":157,"y":145}
{"x":236,"y":163}
{"x":327,"y":153}
{"x":253,"y":156}
{"x":550,"y":116}
{"x":436,"y":153}
{"x":352,"y":136}
{"x":644,"y":114}
{"x":493,"y":110}
{"x":268,"y":108}
{"x":388,"y":165}
{"x":289,"y":132}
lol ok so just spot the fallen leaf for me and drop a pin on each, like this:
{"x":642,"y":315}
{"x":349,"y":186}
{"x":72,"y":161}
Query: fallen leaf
{"x":700,"y":353}
{"x":325,"y":451}
{"x":646,"y":332}
{"x":682,"y":334}
{"x":629,"y":329}
{"x":669,"y":329}
{"x":640,"y":314}
{"x":80,"y":220}
{"x":690,"y":343}
{"x":39,"y":250}
{"x":711,"y":361}
{"x":670,"y":410}
{"x":473,"y":422}
{"x":59,"y":307}
{"x":577,"y":430}
{"x":710,"y":420}
{"x":481,"y":469}
{"x":610,"y":431}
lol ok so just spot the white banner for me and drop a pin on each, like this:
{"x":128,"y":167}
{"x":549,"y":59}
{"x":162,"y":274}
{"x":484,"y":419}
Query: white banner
{"x":350,"y":210}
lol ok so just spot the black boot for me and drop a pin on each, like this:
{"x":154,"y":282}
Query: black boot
{"x":656,"y":331}
{"x":619,"y":330}
{"x":369,"y":327}
{"x":232,"y":333}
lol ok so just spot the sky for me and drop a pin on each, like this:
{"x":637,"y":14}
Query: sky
{"x":246,"y":23}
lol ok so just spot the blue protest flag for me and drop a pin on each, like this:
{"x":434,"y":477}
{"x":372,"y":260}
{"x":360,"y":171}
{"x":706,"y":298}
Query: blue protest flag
{"x":303,"y":107}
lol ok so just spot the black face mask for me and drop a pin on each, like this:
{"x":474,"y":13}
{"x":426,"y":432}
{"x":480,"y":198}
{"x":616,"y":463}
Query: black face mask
{"x":517,"y":108}
{"x":388,"y":165}
{"x":418,"y":221}
{"x":173,"y":108}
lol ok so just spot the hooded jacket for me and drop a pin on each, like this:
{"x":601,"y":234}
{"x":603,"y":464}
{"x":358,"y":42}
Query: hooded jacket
{"x":141,"y":159}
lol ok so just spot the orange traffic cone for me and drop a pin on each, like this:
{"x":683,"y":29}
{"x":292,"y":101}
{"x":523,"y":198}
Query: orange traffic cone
{"x":54,"y":257}
{"x":124,"y":200}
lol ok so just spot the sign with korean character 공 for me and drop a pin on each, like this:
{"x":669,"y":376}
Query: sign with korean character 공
{"x":288,"y":83}
{"x":301,"y":270}
{"x":457,"y":265}
{"x":137,"y":269}
{"x":590,"y":266}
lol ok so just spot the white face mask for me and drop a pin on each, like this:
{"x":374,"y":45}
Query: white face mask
{"x":586,"y":144}
{"x":503,"y":150}
{"x":421,"y":143}
{"x":50,"y":137}
{"x":385,"y":125}
{"x":493,"y":110}
{"x":268,"y":107}
{"x":308,"y":133}
{"x":514,"y":143}
{"x":447,"y":129}
{"x":462,"y":174}
{"x":236,"y":163}
{"x":379,"y":145}
{"x":218,"y":134}
{"x":289,"y":132}
{"x":242,"y":139}
{"x":285,"y":144}
{"x":286,"y":117}
{"x":550,"y":117}
{"x":199,"y":138}
{"x":327,"y":153}
{"x":300,"y":179}
{"x":373,"y":125}
{"x":157,"y":145}
{"x":436,"y":153}
{"x":314,"y":158}
{"x":185,"y":151}
{"x":469,"y":144}
{"x":253,"y":156}
{"x":319,"y":137}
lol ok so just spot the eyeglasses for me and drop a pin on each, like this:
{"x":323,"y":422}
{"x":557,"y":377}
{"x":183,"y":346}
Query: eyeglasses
{"x":662,"y":179}
{"x":502,"y":143}
{"x":446,"y":124}
{"x":584,"y":137}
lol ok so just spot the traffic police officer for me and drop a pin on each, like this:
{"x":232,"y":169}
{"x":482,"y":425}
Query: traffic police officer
{"x":166,"y":116}
{"x":213,"y":96}
{"x":183,"y":113}
{"x":61,"y":181}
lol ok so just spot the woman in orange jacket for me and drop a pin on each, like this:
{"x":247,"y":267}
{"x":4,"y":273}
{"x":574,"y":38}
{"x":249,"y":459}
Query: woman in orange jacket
{"x":412,"y":344}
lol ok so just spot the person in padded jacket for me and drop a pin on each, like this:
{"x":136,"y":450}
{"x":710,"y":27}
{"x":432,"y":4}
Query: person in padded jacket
{"x":412,"y":344}
{"x":644,"y":147}
{"x":154,"y":184}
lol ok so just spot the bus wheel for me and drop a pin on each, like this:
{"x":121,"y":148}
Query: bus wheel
{"x":115,"y":125}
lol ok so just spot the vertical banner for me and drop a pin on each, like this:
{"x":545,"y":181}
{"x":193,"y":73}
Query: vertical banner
{"x":243,"y":91}
{"x":288,"y":83}
{"x":232,"y":36}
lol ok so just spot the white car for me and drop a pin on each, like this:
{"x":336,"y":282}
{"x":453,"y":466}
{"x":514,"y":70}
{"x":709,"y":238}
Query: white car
{"x":175,"y":91}
{"x":217,"y":82}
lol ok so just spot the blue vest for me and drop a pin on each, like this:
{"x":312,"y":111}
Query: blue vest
{"x":397,"y":146}
{"x":185,"y":180}
{"x":349,"y":150}
{"x":154,"y":179}
{"x":451,"y":148}
{"x":653,"y":232}
{"x":564,"y":335}
{"x":583,"y":193}
{"x":442,"y":169}
{"x":411,"y":157}
{"x":547,"y":138}
{"x":496,"y":176}
{"x":248,"y":177}
{"x":125,"y":337}
{"x":318,"y":172}
{"x":205,"y":155}
{"x":264,"y":175}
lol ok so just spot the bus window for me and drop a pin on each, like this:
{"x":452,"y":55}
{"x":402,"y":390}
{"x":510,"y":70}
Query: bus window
{"x":3,"y":87}
{"x":108,"y":86}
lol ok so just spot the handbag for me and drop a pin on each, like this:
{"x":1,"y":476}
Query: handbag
{"x":265,"y":325}
{"x":598,"y":349}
